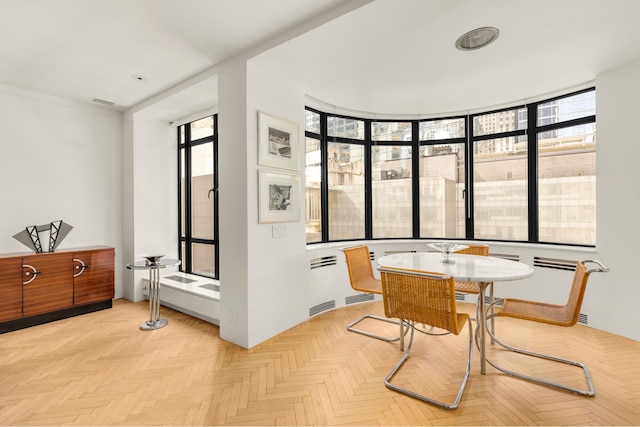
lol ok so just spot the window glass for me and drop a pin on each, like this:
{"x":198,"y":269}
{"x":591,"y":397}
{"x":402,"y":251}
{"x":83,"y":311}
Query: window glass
{"x":312,"y":123}
{"x":203,"y":259}
{"x":345,"y":128}
{"x":391,"y":131}
{"x":202,"y":206}
{"x":442,"y":204}
{"x":501,"y":121}
{"x":567,"y":185}
{"x":202,"y":128}
{"x":500,"y":192}
{"x":391,"y":191}
{"x":568,"y":108}
{"x":442,"y":129}
{"x":313,"y":179}
{"x":346,"y":191}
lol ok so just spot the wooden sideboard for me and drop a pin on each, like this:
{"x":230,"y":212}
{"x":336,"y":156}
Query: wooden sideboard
{"x":43,"y":287}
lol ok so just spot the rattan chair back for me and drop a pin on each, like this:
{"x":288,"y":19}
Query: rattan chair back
{"x":360,"y":270}
{"x":422,"y":298}
{"x":482,"y":250}
{"x":466,"y":286}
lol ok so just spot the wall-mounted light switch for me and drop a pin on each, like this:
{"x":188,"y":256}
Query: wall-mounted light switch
{"x":278,"y":230}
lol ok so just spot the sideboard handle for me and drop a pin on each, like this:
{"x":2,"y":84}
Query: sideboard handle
{"x":34,"y":273}
{"x":82,"y":267}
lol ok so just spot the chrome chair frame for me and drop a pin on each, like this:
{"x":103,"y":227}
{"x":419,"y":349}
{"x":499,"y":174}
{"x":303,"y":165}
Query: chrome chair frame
{"x":590,"y":391}
{"x":405,"y":356}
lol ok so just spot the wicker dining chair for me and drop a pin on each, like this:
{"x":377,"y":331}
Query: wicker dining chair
{"x":427,"y":298}
{"x":561,"y":315}
{"x":362,"y":280}
{"x":472,"y":287}
{"x":466,"y":287}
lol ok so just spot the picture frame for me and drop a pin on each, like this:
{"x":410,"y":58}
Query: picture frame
{"x":278,"y":142}
{"x":279,"y":197}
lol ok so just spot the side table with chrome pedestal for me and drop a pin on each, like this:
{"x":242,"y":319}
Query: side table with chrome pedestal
{"x":153,"y":264}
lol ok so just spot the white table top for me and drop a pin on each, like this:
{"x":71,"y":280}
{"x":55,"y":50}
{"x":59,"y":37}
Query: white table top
{"x":473,"y":268}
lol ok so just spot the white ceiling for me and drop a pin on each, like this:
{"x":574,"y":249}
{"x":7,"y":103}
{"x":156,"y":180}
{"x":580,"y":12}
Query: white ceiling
{"x":387,"y":56}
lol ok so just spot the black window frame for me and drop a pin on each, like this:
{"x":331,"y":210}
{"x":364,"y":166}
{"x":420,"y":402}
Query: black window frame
{"x":187,"y":239}
{"x":531,"y":132}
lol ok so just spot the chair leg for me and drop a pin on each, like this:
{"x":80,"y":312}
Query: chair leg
{"x":405,"y":356}
{"x":590,"y":389}
{"x":350,"y":327}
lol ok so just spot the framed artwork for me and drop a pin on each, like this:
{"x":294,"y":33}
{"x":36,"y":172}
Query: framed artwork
{"x":278,"y":197}
{"x":277,"y":142}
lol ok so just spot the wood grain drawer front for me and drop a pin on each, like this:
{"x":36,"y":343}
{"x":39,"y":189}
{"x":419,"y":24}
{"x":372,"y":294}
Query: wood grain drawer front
{"x":10,"y":288}
{"x":52,"y":288}
{"x":93,"y":276}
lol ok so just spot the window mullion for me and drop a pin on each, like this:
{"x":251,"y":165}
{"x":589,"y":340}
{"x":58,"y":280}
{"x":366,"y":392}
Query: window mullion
{"x":187,"y":200}
{"x":324,"y":179}
{"x":415,"y":177}
{"x":368,"y":185}
{"x":468,"y":180}
{"x":532,"y":171}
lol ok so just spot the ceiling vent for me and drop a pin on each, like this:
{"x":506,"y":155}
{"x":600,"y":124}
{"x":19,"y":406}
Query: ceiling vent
{"x":103,"y":102}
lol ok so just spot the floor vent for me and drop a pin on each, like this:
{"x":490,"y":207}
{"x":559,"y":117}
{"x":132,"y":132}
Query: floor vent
{"x":512,"y":257}
{"x":583,"y":319}
{"x":324,"y":261}
{"x":329,"y":305}
{"x":353,"y":299}
{"x":558,"y":264}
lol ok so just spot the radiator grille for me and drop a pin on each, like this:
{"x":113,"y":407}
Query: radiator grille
{"x":512,"y":257}
{"x":353,"y":299}
{"x":398,"y":252}
{"x":583,"y":318}
{"x":329,"y":305}
{"x":558,"y":264}
{"x":324,"y":261}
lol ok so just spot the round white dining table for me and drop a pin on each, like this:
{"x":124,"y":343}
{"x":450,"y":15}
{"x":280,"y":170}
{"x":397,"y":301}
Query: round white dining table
{"x":472,"y":268}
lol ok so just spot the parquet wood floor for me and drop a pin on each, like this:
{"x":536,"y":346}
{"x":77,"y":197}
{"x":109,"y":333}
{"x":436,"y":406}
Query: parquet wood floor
{"x":100,"y":369}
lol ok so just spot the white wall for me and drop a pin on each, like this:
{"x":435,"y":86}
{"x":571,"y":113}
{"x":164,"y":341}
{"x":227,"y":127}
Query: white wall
{"x":60,"y":161}
{"x":618,"y":199}
{"x":278,"y":277}
{"x":233,"y":201}
{"x":262,"y":278}
{"x":155,"y":192}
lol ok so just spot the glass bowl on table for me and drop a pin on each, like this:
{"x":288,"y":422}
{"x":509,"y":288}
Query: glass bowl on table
{"x":447,"y":248}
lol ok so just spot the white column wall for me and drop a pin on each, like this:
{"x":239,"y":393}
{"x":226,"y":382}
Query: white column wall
{"x":61,"y":160}
{"x":618,"y":199}
{"x":263,"y":279}
{"x":278,"y":273}
{"x":232,"y":196}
